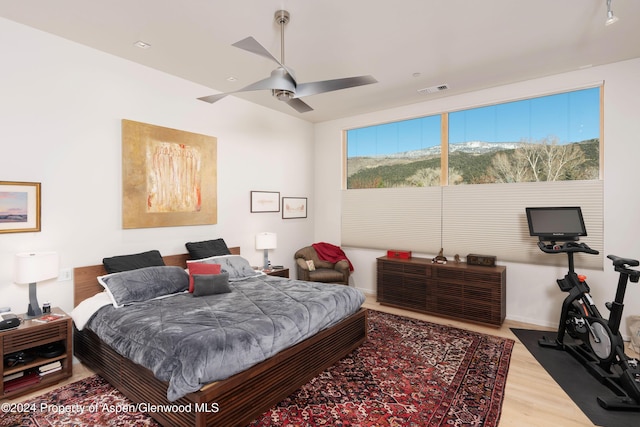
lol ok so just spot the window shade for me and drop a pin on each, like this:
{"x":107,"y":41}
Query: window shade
{"x":490,"y":219}
{"x":405,"y":218}
{"x":485,"y":219}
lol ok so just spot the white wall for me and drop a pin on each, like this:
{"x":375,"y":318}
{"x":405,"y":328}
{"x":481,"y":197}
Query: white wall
{"x":61,"y":105}
{"x":532,"y":295}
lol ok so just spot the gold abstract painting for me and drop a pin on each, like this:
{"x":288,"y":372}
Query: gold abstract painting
{"x":169,"y":177}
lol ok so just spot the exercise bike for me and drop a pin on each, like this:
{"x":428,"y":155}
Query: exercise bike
{"x":597,"y":342}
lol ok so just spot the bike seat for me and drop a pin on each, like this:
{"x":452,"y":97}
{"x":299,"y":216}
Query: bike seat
{"x":620,"y":262}
{"x":622,"y":266}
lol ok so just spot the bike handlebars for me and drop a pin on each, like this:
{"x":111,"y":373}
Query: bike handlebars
{"x":567,"y":247}
{"x":621,"y":265}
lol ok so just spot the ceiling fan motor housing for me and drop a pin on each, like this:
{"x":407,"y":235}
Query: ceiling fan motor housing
{"x":286,"y":86}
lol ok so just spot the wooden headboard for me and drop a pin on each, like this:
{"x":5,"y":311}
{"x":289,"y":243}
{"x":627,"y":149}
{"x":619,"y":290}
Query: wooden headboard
{"x":86,"y":285}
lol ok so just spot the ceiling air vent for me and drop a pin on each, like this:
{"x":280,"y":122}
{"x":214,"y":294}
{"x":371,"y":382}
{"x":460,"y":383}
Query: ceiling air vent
{"x":433,"y":89}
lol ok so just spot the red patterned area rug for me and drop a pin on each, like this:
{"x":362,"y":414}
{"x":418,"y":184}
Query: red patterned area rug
{"x":408,"y":373}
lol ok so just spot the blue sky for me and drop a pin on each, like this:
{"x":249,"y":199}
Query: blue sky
{"x":569,"y":117}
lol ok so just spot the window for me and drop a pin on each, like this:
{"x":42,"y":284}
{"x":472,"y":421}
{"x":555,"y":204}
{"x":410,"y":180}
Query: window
{"x":399,"y":154}
{"x":548,"y":138}
{"x":404,"y":179}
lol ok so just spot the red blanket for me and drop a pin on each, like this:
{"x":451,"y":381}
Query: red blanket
{"x":330,"y":253}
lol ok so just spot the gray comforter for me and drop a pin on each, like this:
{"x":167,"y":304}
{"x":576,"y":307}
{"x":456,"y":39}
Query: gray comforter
{"x":190,"y":341}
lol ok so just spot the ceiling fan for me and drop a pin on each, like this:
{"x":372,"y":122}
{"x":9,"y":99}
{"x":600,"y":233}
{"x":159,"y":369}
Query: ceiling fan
{"x":282,"y":81}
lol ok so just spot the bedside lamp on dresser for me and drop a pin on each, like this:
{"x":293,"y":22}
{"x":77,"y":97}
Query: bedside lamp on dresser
{"x":266,"y":241}
{"x":33,"y":267}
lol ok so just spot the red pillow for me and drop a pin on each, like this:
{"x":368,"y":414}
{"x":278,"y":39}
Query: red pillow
{"x":201,"y":268}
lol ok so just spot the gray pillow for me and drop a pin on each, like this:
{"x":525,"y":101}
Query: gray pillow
{"x":237,"y":267}
{"x":210,"y":284}
{"x":116,"y":264}
{"x":207,"y":248}
{"x":144,"y":284}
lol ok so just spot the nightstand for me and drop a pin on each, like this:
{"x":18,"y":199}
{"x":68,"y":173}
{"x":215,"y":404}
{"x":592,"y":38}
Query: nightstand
{"x":32,"y":374}
{"x":280,"y":272}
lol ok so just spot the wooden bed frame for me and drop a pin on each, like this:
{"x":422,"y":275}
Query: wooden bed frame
{"x":235,"y":401}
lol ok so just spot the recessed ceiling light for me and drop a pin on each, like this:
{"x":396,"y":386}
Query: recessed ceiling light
{"x":142,"y":45}
{"x":231,"y":79}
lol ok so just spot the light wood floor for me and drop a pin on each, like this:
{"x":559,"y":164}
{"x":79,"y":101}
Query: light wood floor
{"x":532,"y":397}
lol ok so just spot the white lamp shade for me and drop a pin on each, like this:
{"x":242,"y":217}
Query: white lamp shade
{"x":32,"y":267}
{"x":266,"y":241}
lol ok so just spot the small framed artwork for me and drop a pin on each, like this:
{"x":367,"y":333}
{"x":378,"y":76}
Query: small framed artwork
{"x":265,"y":201}
{"x":294,"y":207}
{"x":19,"y":207}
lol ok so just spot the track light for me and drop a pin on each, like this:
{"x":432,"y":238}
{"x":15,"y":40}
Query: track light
{"x":611,"y":19}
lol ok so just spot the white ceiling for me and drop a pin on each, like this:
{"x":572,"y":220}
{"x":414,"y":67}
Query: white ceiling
{"x":405,"y":44}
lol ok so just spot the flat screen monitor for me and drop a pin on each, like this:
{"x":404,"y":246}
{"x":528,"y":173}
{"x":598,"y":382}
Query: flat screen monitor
{"x":556,"y":223}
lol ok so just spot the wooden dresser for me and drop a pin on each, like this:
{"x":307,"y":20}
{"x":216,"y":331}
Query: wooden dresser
{"x":461,"y":291}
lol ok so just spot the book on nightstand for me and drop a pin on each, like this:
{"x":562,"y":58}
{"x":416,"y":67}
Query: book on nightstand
{"x":50,"y":368}
{"x":13,"y":376}
{"x":18,"y":383}
{"x":49,"y":318}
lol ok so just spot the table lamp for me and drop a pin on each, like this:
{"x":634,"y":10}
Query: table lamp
{"x":266,"y":241}
{"x":32,"y":267}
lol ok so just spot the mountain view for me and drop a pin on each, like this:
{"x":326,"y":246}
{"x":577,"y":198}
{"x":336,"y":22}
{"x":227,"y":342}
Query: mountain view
{"x":478,"y":162}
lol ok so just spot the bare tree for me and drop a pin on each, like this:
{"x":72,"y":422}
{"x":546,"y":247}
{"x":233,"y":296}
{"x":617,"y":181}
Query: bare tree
{"x":546,"y":160}
{"x":560,"y":160}
{"x":509,"y":168}
{"x":425,"y":177}
{"x":455,"y":177}
{"x":530,"y":152}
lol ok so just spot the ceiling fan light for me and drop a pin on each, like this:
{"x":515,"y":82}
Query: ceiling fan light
{"x":282,"y":95}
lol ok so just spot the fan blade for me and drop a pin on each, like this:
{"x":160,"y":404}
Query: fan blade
{"x":299,"y":105}
{"x":213,"y":98}
{"x":252,"y":45}
{"x":314,"y":88}
{"x":279,"y":80}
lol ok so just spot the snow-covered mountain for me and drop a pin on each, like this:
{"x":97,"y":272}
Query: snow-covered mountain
{"x":480,"y":147}
{"x":475,"y":147}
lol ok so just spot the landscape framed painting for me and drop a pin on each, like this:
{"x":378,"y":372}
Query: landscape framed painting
{"x":294,"y":207}
{"x":169,"y":177}
{"x":19,"y":207}
{"x":265,"y":201}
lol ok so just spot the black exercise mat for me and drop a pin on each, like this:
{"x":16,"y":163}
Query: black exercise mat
{"x":574,"y":379}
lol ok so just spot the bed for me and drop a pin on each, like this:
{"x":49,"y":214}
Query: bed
{"x":234,"y":401}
